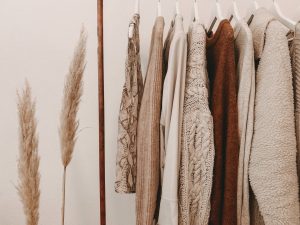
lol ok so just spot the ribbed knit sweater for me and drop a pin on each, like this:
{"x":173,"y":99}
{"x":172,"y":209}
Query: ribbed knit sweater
{"x":148,"y":147}
{"x":223,"y":103}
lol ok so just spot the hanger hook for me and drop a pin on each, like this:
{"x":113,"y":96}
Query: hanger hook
{"x":177,"y":7}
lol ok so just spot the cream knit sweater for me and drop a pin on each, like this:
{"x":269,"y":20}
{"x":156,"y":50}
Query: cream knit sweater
{"x":244,"y":54}
{"x":170,"y":121}
{"x":197,"y":144}
{"x":272,"y":166}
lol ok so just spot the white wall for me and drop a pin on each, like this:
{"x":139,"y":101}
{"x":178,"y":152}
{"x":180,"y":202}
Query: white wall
{"x":121,"y":208}
{"x":37,"y":39}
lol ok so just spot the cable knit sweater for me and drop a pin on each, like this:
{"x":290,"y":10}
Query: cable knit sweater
{"x":295,"y":53}
{"x":170,"y":121}
{"x":272,"y":168}
{"x":148,"y":132}
{"x":197,"y":143}
{"x":244,"y":54}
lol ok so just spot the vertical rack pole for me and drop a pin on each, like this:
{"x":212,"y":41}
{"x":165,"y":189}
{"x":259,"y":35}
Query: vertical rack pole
{"x":101,"y":112}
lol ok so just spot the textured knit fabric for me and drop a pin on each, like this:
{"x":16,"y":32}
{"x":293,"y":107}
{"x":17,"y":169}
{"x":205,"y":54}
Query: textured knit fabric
{"x":223,"y":104}
{"x":197,"y":142}
{"x":128,"y":115}
{"x":170,"y":121}
{"x":272,"y":168}
{"x":296,"y":79}
{"x":148,"y":154}
{"x":244,"y":54}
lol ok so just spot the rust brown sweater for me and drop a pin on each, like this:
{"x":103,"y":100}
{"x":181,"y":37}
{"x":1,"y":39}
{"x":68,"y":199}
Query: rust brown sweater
{"x":223,"y":103}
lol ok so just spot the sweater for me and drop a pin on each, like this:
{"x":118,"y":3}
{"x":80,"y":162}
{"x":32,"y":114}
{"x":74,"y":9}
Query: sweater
{"x":223,"y":104}
{"x":197,"y":141}
{"x":170,"y":122}
{"x":244,"y":54}
{"x":272,"y":168}
{"x":148,"y":154}
{"x":295,"y":53}
{"x":128,"y":115}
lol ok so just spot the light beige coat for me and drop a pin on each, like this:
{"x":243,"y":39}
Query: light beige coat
{"x":170,"y":122}
{"x":244,"y":54}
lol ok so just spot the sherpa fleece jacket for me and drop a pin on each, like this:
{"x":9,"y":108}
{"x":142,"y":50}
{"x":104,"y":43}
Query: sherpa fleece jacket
{"x":272,"y":168}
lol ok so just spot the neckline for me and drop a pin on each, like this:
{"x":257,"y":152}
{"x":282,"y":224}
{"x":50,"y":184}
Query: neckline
{"x":213,"y":37}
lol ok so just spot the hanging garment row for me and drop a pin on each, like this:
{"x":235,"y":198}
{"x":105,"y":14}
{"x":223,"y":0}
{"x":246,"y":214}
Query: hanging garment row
{"x":212,"y":134}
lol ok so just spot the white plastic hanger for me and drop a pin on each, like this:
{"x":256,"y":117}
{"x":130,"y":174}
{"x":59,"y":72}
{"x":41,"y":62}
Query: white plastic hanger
{"x":177,"y":7}
{"x":250,"y":13}
{"x":158,"y":8}
{"x":136,"y":11}
{"x":217,"y":14}
{"x":233,"y":12}
{"x":196,"y":10}
{"x":137,"y":7}
{"x":275,"y":8}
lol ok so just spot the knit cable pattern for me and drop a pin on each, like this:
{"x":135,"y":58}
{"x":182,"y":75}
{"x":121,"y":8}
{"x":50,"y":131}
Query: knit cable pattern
{"x":197,"y":154}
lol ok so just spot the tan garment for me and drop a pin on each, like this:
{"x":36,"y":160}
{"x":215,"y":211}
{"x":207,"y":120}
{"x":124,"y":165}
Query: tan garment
{"x":128,"y":115}
{"x":148,"y":154}
{"x":197,"y":141}
{"x":272,"y":168}
{"x":296,"y":78}
{"x":244,"y":54}
{"x":170,"y":122}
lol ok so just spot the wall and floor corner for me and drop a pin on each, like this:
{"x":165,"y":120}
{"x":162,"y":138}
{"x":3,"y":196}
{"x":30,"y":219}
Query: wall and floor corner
{"x":37,"y":41}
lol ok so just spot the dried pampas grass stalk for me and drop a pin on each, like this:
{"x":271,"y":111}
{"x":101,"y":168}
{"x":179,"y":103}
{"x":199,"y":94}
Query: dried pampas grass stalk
{"x":28,"y":164}
{"x":68,"y":120}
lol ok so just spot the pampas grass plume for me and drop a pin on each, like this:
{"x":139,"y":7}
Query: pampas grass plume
{"x":28,"y":164}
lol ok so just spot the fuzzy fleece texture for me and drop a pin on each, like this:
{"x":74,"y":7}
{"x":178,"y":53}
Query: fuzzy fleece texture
{"x":272,"y":168}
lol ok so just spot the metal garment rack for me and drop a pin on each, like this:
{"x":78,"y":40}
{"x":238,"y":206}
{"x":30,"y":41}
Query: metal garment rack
{"x":101,"y":112}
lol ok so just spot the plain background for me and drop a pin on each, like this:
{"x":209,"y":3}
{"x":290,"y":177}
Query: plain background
{"x":121,"y":207}
{"x":37,"y":39}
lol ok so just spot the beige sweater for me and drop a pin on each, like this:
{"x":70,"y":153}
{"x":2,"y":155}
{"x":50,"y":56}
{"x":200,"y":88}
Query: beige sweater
{"x":170,"y":121}
{"x":244,"y":54}
{"x":148,"y":132}
{"x":197,"y":144}
{"x":272,"y":168}
{"x":296,"y":78}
